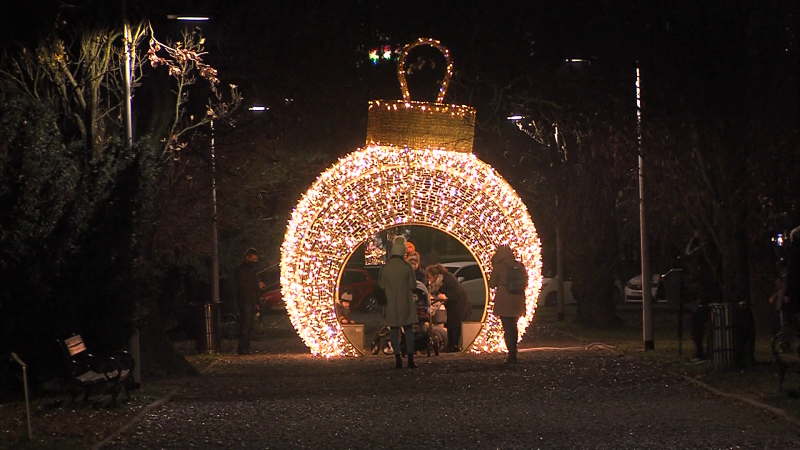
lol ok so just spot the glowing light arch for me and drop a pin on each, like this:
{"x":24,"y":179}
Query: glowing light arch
{"x":379,"y":187}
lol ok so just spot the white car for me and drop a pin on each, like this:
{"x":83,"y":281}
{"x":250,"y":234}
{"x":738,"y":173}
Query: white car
{"x":633,"y":289}
{"x":549,"y":294}
{"x":469,"y":274}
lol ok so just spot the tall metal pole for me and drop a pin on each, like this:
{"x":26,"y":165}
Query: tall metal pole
{"x":133,"y":343}
{"x":128,"y":57}
{"x":560,"y":276}
{"x":211,"y":316}
{"x":647,"y":300}
{"x":559,"y":253}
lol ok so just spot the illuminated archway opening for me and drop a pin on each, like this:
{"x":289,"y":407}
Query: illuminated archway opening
{"x":370,"y":320}
{"x":382,"y":187}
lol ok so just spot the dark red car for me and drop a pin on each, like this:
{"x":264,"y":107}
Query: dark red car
{"x":358,"y":282}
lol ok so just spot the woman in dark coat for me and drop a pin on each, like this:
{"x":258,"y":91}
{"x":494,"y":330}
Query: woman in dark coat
{"x":444,"y":285}
{"x":397,"y":281}
{"x":507,"y":306}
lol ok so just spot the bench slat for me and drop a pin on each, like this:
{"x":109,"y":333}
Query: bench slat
{"x":91,"y":377}
{"x":75,"y":345}
{"x":789,"y":357}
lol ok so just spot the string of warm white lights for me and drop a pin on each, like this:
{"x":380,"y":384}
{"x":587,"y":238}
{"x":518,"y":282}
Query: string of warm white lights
{"x":401,"y":67}
{"x":451,"y":110}
{"x":380,"y":187}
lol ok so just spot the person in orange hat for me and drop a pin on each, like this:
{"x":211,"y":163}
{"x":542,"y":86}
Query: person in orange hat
{"x":410,"y":248}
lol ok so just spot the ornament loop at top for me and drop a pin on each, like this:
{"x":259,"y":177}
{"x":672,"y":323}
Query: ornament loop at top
{"x":401,"y":63}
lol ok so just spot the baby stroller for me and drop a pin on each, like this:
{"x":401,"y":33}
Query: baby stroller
{"x":427,"y":338}
{"x":424,"y":340}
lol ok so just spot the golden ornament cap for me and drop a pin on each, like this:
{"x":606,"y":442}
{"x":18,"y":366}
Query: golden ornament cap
{"x":420,"y":125}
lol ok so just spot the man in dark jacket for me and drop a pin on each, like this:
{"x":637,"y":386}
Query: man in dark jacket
{"x":247,"y":295}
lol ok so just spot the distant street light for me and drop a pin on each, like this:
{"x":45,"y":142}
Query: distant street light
{"x":185,"y":18}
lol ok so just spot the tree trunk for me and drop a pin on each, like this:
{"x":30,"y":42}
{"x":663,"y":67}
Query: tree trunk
{"x":159,"y":358}
{"x":733,"y":251}
{"x":596,"y":303}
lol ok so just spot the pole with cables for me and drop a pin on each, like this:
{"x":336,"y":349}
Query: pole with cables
{"x":647,"y":299}
{"x":212,"y":343}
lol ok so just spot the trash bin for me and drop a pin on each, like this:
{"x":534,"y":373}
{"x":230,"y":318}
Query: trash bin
{"x":209,"y":338}
{"x":723,"y":335}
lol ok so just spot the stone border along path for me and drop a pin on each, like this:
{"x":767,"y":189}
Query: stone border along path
{"x":777,"y":411}
{"x":135,"y":419}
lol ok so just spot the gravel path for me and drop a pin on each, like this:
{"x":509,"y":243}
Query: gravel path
{"x":552,"y":399}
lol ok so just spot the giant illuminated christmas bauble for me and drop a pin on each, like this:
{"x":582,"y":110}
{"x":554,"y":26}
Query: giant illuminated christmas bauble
{"x":417,"y":169}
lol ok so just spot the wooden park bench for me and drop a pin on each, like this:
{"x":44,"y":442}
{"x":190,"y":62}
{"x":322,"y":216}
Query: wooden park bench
{"x":786,"y":350}
{"x":86,"y":371}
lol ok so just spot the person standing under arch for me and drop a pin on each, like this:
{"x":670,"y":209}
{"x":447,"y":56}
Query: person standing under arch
{"x":398,"y":282}
{"x":508,"y":307}
{"x":443,"y":285}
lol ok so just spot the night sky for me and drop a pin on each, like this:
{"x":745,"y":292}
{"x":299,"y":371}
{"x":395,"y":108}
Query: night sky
{"x":316,"y":52}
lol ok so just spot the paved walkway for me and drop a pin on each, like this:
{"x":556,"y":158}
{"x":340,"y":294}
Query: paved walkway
{"x":553,"y":399}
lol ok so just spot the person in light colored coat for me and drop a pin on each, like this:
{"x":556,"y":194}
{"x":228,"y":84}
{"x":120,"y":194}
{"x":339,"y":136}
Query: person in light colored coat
{"x":397,"y":280}
{"x":509,"y":307}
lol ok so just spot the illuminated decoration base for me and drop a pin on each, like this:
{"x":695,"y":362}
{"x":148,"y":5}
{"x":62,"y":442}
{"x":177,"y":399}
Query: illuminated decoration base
{"x":380,"y":187}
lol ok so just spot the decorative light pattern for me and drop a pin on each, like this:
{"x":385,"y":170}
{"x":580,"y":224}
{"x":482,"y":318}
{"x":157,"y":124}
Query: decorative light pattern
{"x":374,"y":251}
{"x":429,"y":108}
{"x":380,"y":187}
{"x":401,"y":67}
{"x":415,"y":124}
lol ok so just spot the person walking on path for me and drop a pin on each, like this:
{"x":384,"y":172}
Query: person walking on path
{"x":247,"y":292}
{"x":508,"y":306}
{"x":443,"y":285}
{"x":397,"y":280}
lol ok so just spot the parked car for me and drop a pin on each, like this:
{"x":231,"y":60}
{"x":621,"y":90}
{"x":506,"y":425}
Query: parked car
{"x":358,"y":282}
{"x":549,"y":293}
{"x":633,"y":289}
{"x":548,"y":296}
{"x":272,"y":300}
{"x":469,"y":274}
{"x":464,"y":270}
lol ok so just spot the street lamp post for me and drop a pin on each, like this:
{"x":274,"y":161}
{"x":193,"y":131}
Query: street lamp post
{"x":133,"y":342}
{"x":647,"y":301}
{"x":212,"y":336}
{"x":211,"y":340}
